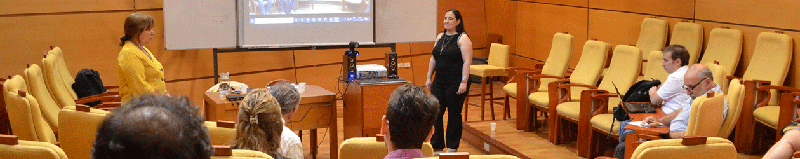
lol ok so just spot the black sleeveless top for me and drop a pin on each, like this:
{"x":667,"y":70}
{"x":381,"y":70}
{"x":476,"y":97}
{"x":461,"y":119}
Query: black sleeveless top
{"x":449,"y":62}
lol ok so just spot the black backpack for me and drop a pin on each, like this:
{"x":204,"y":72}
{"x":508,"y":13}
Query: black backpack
{"x":88,"y":83}
{"x":638,"y":92}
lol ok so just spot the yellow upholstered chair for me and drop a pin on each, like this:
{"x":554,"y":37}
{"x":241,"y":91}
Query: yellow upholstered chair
{"x":718,"y":72}
{"x":705,"y":117}
{"x":711,"y":148}
{"x":764,"y":76}
{"x":61,"y":69}
{"x":78,"y":128}
{"x":589,"y":116}
{"x":622,"y":73}
{"x":587,"y":72}
{"x":55,"y":84}
{"x":221,"y":132}
{"x":654,"y":69}
{"x":226,"y":152}
{"x":461,"y":155}
{"x":24,"y":113}
{"x":652,"y":37}
{"x":37,"y":88}
{"x":734,"y":97}
{"x":12,"y":147}
{"x":370,"y":148}
{"x":498,"y":62}
{"x":689,"y":35}
{"x":59,"y":82}
{"x":556,"y":65}
{"x":725,"y":47}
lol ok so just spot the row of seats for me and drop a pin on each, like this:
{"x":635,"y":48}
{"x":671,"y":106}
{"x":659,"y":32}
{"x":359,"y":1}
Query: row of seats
{"x":575,"y":99}
{"x":375,"y":148}
{"x":43,"y":110}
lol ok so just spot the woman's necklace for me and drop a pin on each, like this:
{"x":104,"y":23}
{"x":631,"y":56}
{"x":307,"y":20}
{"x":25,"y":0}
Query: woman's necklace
{"x":447,"y":39}
{"x":145,"y":51}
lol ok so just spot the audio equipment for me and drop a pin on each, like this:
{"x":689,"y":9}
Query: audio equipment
{"x":391,"y":65}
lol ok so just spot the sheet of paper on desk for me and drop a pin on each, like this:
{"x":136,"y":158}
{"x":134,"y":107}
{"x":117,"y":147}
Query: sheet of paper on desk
{"x":637,"y":123}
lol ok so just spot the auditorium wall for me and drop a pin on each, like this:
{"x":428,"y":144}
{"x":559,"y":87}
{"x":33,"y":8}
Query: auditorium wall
{"x":89,"y":31}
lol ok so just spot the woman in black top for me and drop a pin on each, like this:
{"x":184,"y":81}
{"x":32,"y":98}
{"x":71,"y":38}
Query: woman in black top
{"x":452,"y":56}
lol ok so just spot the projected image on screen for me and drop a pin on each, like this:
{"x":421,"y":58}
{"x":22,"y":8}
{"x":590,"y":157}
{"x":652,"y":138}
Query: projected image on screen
{"x":280,"y":7}
{"x":305,"y":22}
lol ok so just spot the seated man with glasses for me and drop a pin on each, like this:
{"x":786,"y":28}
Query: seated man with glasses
{"x":702,"y":83}
{"x":670,"y":95}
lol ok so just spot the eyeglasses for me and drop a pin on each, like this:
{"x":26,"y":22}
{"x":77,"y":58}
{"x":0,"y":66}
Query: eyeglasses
{"x":690,"y":88}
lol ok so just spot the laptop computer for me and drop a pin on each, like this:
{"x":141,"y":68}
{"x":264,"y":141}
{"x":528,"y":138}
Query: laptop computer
{"x":635,"y":107}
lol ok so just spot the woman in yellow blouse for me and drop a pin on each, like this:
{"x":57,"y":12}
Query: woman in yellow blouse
{"x":139,"y":71}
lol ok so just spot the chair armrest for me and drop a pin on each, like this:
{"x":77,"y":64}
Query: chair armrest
{"x":535,"y":79}
{"x":589,"y":105}
{"x":104,"y":99}
{"x":577,"y":85}
{"x":513,"y":71}
{"x":788,"y":108}
{"x":765,"y":88}
{"x":108,"y":106}
{"x":112,"y":87}
{"x":693,"y":140}
{"x":796,"y":154}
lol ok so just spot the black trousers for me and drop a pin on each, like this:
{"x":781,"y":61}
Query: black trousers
{"x":453,"y":103}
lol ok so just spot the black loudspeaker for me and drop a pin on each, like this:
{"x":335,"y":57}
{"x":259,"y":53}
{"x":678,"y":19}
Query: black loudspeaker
{"x":391,"y":65}
{"x":349,"y":71}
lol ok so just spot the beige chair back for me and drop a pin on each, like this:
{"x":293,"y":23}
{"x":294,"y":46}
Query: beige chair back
{"x":78,"y":129}
{"x":714,"y":147}
{"x":558,"y":59}
{"x":771,"y":58}
{"x":62,"y":70}
{"x":718,"y":72}
{"x":706,"y":116}
{"x":689,"y":35}
{"x":220,"y":135}
{"x":652,"y":37}
{"x":369,"y":148}
{"x":35,"y":82}
{"x":654,"y":68}
{"x":17,"y":149}
{"x":498,"y":55}
{"x":55,"y":84}
{"x":725,"y":46}
{"x":623,"y":72}
{"x":593,"y":58}
{"x":24,"y":113}
{"x":734,"y":96}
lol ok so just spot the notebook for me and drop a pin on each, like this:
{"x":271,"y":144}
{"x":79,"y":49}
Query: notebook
{"x":635,"y":107}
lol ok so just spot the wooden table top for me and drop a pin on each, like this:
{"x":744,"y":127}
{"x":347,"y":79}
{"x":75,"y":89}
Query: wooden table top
{"x":641,"y":116}
{"x":313,"y":94}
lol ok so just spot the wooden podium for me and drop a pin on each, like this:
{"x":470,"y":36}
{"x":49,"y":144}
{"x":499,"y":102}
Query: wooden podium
{"x":364,"y":106}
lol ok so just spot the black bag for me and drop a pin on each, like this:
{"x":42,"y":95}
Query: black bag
{"x":639,"y":92}
{"x":88,"y":83}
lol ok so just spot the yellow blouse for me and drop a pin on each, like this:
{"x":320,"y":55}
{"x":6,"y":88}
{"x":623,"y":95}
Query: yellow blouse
{"x":138,"y":73}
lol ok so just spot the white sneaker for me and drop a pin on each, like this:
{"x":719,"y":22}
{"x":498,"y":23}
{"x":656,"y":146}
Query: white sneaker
{"x":436,"y":153}
{"x":451,"y":150}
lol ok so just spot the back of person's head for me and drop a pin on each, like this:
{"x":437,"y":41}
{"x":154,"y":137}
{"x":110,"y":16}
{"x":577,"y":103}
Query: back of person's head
{"x":678,"y":52}
{"x":410,"y":116}
{"x":153,"y":126}
{"x":135,"y":24}
{"x":287,"y":96}
{"x":259,"y":125}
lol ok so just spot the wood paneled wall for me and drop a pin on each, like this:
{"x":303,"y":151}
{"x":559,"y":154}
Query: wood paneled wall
{"x":88,"y":32}
{"x":618,"y":22}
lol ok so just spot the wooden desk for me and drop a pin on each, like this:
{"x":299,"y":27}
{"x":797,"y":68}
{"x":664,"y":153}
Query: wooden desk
{"x":364,"y":106}
{"x":631,"y":141}
{"x":317,"y":110}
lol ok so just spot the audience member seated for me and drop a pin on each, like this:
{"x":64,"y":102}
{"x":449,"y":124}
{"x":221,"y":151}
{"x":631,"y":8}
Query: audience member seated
{"x":698,"y":80}
{"x":408,"y":121}
{"x":785,"y":147}
{"x":289,"y":99}
{"x":670,"y":95}
{"x":153,"y":126}
{"x":259,"y":125}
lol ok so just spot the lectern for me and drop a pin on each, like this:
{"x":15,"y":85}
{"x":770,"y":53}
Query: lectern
{"x":364,"y":106}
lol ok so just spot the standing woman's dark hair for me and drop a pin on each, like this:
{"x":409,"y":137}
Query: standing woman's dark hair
{"x":460,"y":26}
{"x":135,"y":24}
